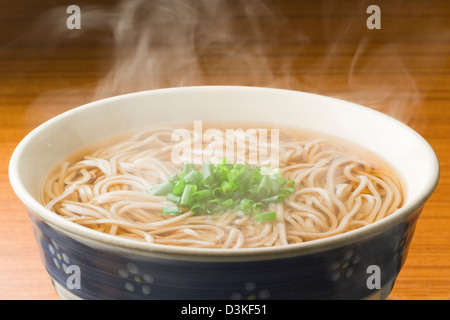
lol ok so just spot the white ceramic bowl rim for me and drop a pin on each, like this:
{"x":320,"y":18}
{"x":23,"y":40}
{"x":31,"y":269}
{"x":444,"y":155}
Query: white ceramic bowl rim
{"x":81,"y":232}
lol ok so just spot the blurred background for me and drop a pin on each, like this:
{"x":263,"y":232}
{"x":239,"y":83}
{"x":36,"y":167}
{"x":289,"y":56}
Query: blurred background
{"x":324,"y":47}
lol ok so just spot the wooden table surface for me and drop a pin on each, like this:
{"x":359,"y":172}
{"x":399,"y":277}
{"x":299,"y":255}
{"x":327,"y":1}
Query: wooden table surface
{"x":323,"y":47}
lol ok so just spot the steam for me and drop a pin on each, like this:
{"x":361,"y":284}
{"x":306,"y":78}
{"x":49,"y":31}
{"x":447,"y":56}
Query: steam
{"x":179,"y":43}
{"x":172,"y":43}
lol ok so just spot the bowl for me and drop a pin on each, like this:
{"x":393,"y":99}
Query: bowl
{"x":360,"y":264}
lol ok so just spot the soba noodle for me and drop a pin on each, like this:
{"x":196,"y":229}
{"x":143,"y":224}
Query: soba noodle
{"x":335,"y":192}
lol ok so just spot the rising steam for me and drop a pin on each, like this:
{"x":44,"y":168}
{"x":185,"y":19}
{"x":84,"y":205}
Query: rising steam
{"x":171,"y":43}
{"x":178,"y":43}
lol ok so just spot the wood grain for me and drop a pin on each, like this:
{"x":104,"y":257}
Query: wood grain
{"x":316,"y":46}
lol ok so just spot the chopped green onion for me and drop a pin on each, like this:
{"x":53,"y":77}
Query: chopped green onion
{"x":208,"y":170}
{"x":188,"y":167}
{"x":276,"y":198}
{"x":179,"y":188}
{"x":224,"y":187}
{"x":213,"y":204}
{"x":199,"y":207}
{"x":217,"y":193}
{"x":187,"y":196}
{"x":170,"y":210}
{"x":290,"y":183}
{"x":171,"y":197}
{"x":161,"y":189}
{"x":251,"y":192}
{"x":243,"y":180}
{"x":266,"y":216}
{"x":246,"y":206}
{"x":228,"y":203}
{"x":202,"y":194}
{"x":193,"y":177}
{"x":257,"y":207}
{"x":265,"y":187}
{"x":287,"y":191}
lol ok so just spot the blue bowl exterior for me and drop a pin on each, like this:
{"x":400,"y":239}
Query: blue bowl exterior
{"x":101,"y":272}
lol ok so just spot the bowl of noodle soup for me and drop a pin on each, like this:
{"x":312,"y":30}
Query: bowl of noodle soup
{"x":223,"y":192}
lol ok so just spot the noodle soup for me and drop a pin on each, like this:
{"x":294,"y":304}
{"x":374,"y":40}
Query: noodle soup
{"x":117,"y":209}
{"x":182,"y":188}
